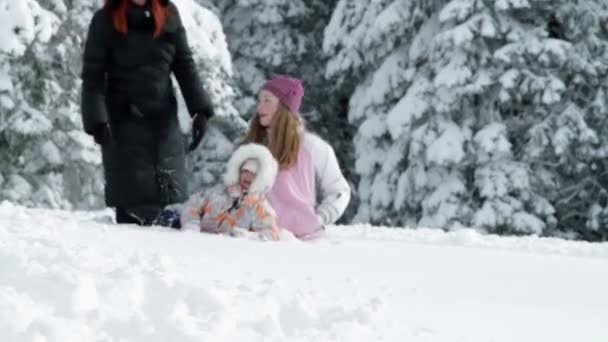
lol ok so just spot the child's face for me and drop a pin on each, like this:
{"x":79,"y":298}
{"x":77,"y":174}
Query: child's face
{"x":245,"y":179}
{"x":267,"y":106}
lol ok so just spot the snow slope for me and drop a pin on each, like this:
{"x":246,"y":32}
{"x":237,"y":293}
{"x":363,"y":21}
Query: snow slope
{"x":73,"y":276}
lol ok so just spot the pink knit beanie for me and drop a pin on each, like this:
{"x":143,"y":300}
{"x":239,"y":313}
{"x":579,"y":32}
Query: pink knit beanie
{"x":289,"y":90}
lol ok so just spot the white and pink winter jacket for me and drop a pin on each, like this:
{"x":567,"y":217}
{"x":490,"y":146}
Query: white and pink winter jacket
{"x":294,"y":194}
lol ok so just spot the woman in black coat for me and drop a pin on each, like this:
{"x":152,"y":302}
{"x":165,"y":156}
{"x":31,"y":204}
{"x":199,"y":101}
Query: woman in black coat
{"x":129,"y":106}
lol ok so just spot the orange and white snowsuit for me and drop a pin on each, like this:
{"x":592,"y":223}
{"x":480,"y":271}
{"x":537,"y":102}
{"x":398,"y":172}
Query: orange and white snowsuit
{"x":227,"y":209}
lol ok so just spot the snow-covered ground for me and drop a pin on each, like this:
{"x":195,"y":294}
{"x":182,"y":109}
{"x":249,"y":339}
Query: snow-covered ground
{"x":68,"y":276}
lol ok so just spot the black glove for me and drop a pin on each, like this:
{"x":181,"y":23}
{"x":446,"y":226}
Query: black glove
{"x":102,"y":134}
{"x":199,"y":126}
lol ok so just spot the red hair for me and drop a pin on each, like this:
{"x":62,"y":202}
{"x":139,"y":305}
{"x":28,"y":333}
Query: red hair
{"x":118,"y":13}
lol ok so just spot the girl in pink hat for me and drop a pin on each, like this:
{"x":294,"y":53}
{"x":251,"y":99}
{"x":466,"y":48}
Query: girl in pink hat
{"x":307,"y":164}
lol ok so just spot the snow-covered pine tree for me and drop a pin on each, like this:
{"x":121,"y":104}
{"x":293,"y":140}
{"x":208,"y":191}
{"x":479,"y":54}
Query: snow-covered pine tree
{"x":462,"y":110}
{"x":566,"y":146}
{"x":370,"y":43}
{"x":472,"y":78}
{"x":547,"y":67}
{"x":265,"y":37}
{"x":45,"y":158}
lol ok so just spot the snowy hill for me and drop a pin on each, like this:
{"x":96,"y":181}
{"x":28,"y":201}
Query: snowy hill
{"x":68,"y":276}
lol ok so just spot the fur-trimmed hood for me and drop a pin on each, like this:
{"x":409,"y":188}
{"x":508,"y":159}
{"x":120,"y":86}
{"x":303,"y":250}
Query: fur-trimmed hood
{"x":268,"y":168}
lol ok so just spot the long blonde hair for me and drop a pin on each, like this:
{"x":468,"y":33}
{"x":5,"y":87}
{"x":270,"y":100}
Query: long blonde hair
{"x":282,"y":137}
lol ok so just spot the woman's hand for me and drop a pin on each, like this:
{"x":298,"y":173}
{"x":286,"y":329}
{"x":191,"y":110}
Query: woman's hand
{"x":102,"y":134}
{"x":199,"y":126}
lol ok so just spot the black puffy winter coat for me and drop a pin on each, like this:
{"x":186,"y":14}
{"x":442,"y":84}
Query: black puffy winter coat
{"x":127,"y":84}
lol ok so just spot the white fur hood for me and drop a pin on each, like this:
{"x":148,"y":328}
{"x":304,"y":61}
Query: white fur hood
{"x":266,"y":175}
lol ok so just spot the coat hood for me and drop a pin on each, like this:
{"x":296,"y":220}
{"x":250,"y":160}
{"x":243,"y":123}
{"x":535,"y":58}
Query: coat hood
{"x":268,"y":168}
